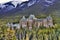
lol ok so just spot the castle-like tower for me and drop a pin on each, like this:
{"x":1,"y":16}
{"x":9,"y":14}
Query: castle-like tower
{"x":50,"y":21}
{"x":31,"y":21}
{"x":23,"y":22}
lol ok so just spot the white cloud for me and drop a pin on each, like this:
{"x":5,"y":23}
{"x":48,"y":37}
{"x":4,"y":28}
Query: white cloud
{"x":4,"y":1}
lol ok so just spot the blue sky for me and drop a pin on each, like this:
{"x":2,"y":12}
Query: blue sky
{"x":4,"y":1}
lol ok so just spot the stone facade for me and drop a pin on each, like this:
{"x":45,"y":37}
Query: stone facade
{"x":32,"y":21}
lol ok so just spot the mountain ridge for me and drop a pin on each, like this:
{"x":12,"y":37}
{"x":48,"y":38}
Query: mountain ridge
{"x":35,"y":7}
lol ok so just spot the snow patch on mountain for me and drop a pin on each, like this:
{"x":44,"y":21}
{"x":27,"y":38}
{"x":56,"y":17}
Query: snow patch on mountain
{"x":15,"y":3}
{"x":22,"y":5}
{"x":31,"y":3}
{"x":9,"y":8}
{"x":2,"y":6}
{"x":49,"y":1}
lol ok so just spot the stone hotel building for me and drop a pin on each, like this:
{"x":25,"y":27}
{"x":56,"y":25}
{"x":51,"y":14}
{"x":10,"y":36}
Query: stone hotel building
{"x":32,"y":21}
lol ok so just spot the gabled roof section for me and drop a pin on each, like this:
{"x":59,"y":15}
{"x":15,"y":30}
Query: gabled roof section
{"x":49,"y":18}
{"x":31,"y":17}
{"x":23,"y":19}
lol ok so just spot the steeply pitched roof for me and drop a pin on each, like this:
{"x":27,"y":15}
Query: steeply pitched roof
{"x":23,"y":19}
{"x":31,"y":17}
{"x":49,"y":18}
